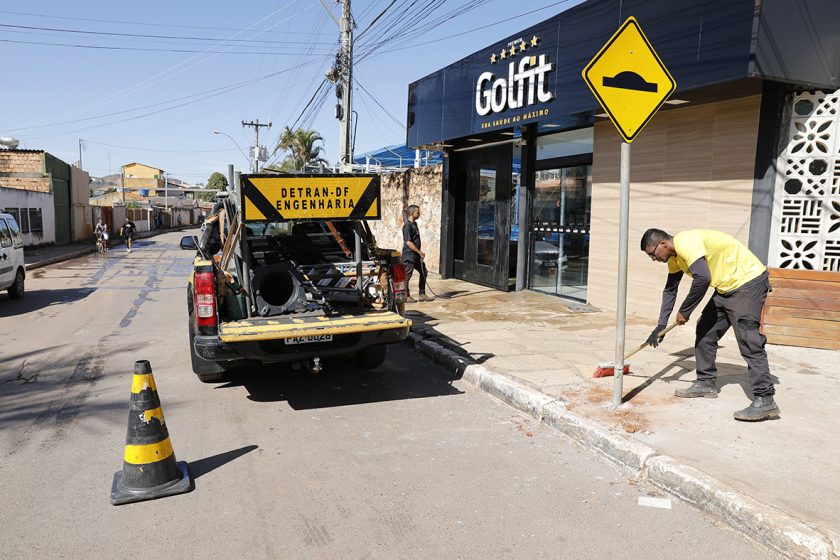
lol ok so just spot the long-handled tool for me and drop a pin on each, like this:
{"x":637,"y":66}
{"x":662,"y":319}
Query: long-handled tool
{"x":607,"y":369}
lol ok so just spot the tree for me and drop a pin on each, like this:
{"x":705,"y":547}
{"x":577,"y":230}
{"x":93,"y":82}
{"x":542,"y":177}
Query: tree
{"x":217,"y":182}
{"x":302,"y":149}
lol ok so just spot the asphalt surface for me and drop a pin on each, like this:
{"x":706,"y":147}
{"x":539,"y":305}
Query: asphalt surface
{"x":403,"y":462}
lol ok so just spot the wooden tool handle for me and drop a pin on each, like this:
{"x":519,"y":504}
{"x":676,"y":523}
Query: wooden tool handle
{"x":643,"y":344}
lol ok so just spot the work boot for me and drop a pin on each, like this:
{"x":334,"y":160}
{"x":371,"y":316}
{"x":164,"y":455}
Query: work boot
{"x":424,"y":297}
{"x":760,"y":409}
{"x":698,"y":389}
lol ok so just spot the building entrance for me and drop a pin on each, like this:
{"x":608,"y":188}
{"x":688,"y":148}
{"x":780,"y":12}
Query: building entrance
{"x":482,"y":197}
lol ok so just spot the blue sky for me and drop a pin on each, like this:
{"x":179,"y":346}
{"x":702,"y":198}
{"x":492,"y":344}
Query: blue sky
{"x":150,"y":81}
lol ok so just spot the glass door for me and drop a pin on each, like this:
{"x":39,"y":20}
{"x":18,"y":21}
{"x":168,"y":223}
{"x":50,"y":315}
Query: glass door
{"x":560,"y":231}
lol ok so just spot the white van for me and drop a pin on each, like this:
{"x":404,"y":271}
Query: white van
{"x":12,"y":269}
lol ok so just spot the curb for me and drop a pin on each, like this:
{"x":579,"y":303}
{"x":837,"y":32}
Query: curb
{"x":758,"y":521}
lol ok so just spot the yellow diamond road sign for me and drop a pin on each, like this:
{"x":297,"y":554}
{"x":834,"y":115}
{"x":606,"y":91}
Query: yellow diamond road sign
{"x":629,"y":79}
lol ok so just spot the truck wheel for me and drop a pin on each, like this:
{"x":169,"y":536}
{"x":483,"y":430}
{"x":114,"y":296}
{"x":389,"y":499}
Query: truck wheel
{"x":207,"y":372}
{"x":16,"y":290}
{"x":372,"y":356}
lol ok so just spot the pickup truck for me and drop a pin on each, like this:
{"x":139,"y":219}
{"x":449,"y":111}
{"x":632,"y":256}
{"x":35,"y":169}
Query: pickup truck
{"x":287,"y":270}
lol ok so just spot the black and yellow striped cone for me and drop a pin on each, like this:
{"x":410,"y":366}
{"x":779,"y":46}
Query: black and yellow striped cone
{"x":149,"y":467}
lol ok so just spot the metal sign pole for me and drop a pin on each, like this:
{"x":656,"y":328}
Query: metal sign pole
{"x":621,"y":305}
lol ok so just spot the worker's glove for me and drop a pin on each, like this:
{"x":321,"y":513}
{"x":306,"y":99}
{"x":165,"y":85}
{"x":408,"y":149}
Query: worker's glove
{"x":655,"y":336}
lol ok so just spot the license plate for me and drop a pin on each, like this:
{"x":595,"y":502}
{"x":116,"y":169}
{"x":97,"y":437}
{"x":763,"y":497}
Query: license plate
{"x":309,"y":339}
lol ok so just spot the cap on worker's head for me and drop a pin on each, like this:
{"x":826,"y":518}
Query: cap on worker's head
{"x":222,"y":194}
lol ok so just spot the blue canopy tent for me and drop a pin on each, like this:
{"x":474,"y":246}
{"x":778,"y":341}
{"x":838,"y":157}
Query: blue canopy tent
{"x":397,"y":156}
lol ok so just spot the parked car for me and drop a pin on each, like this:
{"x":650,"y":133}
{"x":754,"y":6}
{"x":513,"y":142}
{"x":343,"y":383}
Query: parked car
{"x":12,"y":269}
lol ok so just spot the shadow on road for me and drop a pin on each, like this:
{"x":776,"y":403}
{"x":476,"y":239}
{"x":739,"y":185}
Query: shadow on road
{"x":33,"y":300}
{"x":409,"y":376}
{"x":203,"y":466}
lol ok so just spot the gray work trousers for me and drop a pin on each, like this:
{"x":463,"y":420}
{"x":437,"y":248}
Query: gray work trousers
{"x":740,"y":309}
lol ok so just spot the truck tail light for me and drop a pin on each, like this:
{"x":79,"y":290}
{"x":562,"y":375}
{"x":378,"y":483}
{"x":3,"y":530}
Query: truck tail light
{"x":204,"y":295}
{"x":398,"y":277}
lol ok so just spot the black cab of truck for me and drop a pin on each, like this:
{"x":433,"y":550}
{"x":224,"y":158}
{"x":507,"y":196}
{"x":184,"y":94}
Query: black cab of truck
{"x":288,"y":270}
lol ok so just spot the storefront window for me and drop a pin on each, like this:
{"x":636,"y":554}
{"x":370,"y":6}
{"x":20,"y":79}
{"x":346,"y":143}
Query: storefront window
{"x":560,"y":231}
{"x":486,"y":216}
{"x":565,"y":144}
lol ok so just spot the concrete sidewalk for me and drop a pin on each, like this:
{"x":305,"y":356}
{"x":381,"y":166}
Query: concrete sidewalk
{"x":42,"y":256}
{"x":777,"y":481}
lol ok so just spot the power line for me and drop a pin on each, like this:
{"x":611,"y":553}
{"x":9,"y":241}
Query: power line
{"x":387,"y":112}
{"x":144,"y":36}
{"x":155,"y":150}
{"x":181,"y":66}
{"x":382,"y":13}
{"x":146,"y":49}
{"x":223,"y":89}
{"x":499,"y":22}
{"x":144,"y":23}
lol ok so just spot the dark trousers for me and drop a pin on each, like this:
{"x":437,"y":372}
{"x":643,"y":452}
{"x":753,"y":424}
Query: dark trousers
{"x":421,"y":270}
{"x":740,"y":309}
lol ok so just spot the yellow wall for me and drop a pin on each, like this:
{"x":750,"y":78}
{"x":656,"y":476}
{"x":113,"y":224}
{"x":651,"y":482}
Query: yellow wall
{"x":690,"y":168}
{"x":142,"y":176}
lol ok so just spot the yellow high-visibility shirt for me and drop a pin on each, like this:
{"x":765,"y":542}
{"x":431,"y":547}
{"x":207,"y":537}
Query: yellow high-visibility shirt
{"x":732,"y":265}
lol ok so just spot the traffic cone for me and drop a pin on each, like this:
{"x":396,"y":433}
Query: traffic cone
{"x":149,"y":467}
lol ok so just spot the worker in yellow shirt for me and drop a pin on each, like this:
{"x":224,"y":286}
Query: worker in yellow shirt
{"x":741,"y":282}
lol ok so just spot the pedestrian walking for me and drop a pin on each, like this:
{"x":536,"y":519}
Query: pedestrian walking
{"x":179,"y":219}
{"x":129,"y":230}
{"x":741,"y":282}
{"x":412,"y":255}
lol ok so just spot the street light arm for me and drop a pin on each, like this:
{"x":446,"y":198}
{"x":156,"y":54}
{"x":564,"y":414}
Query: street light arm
{"x":248,"y":159}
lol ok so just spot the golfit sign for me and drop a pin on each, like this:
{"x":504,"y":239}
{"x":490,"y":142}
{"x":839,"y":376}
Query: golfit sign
{"x":525,"y":85}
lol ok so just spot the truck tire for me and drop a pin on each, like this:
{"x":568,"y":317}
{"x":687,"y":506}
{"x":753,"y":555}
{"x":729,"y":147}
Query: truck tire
{"x":207,"y":372}
{"x":372,"y":356}
{"x":16,"y":290}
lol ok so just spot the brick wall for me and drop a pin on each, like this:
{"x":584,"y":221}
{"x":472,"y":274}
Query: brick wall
{"x":12,"y":161}
{"x":24,"y":171}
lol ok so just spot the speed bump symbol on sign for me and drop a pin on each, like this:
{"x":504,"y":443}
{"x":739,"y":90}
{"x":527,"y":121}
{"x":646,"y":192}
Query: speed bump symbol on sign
{"x":629,"y":79}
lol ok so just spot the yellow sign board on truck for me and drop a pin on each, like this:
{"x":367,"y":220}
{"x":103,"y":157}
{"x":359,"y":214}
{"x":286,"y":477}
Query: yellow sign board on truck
{"x":277,"y":198}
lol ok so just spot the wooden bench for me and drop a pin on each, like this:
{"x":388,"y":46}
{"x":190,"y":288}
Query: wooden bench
{"x":803,"y":309}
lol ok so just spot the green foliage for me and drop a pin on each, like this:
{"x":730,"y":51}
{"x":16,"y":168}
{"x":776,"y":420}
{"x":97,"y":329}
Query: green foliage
{"x":217,"y":181}
{"x":301,"y":149}
{"x":132,"y":204}
{"x":206,"y":196}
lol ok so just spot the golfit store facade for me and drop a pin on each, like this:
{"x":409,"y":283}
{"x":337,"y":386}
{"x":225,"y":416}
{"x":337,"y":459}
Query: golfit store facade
{"x":531,"y":173}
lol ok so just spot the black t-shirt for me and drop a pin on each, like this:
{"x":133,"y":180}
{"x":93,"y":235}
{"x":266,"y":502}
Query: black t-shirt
{"x":410,"y":233}
{"x":128,"y":229}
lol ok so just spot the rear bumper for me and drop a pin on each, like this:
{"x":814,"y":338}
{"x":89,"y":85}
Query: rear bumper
{"x":213,"y":349}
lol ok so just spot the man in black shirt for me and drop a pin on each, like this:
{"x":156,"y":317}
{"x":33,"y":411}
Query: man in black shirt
{"x":412,"y":255}
{"x":129,"y":230}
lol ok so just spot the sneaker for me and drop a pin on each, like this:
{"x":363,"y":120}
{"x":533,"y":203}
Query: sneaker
{"x":410,"y":299}
{"x":424,"y":297}
{"x":129,"y":250}
{"x":760,"y":409}
{"x":698,"y":389}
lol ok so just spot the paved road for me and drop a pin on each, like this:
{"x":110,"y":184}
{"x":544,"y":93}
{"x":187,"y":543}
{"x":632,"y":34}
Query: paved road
{"x":402,"y":463}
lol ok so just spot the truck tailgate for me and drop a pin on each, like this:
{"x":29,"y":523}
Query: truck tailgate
{"x":289,"y":326}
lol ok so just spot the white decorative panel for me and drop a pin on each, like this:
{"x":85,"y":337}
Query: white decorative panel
{"x":807,"y":201}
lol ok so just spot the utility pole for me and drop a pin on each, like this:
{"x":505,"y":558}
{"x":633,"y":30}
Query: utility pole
{"x":80,"y":153}
{"x":344,"y":91}
{"x":258,"y":152}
